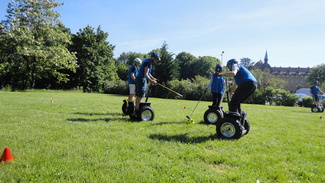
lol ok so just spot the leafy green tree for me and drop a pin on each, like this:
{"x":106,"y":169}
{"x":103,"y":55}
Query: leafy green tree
{"x":266,"y":79}
{"x":317,"y":74}
{"x":35,"y":45}
{"x":247,"y":62}
{"x":185,"y":62}
{"x":95,"y":59}
{"x":166,"y":69}
{"x":205,"y":66}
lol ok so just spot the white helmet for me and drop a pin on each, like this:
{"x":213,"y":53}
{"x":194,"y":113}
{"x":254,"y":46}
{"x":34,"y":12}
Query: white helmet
{"x":137,"y":60}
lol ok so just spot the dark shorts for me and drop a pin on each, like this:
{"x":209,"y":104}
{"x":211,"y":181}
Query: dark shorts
{"x":315,"y":97}
{"x":140,"y":87}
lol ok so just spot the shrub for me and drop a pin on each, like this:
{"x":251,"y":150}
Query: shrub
{"x":307,"y":101}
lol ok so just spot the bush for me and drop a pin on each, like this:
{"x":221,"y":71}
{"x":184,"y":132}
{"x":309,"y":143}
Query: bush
{"x":119,"y":87}
{"x":307,"y":101}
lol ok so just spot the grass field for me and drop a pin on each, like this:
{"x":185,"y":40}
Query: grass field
{"x":58,"y":136}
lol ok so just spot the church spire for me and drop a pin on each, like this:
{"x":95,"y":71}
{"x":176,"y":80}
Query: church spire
{"x":266,"y":59}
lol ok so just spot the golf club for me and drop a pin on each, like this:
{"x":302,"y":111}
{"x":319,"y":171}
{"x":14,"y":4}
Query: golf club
{"x":189,"y":117}
{"x":169,"y":89}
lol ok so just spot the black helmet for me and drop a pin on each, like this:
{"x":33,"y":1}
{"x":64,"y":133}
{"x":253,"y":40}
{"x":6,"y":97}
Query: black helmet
{"x":218,"y":68}
{"x":230,"y":63}
{"x":155,"y":55}
{"x":316,"y":82}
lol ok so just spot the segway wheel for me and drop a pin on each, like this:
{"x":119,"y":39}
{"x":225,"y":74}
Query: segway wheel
{"x":247,"y":127}
{"x":229,"y":128}
{"x":124,"y":108}
{"x":211,"y":116}
{"x":315,"y":109}
{"x":322,"y":109}
{"x":146,"y":113}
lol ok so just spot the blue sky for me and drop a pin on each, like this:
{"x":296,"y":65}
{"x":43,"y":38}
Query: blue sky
{"x":291,"y":31}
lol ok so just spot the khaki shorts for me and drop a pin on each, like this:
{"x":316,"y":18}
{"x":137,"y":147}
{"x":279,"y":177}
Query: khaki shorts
{"x":132,"y":88}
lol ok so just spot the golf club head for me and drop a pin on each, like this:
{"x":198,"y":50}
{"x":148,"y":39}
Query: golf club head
{"x":190,"y":121}
{"x":188,"y":117}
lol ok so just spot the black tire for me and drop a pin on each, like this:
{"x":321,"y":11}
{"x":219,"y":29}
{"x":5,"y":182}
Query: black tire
{"x":229,"y":128}
{"x":211,"y":116}
{"x":315,"y":109}
{"x":124,"y":108}
{"x":146,"y":113}
{"x":247,"y":127}
{"x":322,"y":109}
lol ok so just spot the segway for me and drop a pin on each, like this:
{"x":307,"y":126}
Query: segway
{"x":232,"y":125}
{"x":317,"y":108}
{"x":213,"y":114}
{"x":145,"y":113}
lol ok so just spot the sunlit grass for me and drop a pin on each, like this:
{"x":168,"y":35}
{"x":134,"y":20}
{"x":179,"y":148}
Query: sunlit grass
{"x":71,"y":136}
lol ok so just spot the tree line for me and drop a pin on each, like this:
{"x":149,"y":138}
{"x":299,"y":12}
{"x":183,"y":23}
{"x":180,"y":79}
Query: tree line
{"x":39,"y":52}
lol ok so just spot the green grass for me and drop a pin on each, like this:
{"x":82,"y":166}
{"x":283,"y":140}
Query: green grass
{"x":85,"y":138}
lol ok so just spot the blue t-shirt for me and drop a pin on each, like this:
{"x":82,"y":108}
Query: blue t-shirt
{"x":132,"y":69}
{"x":217,"y":84}
{"x":243,"y":75}
{"x":145,"y":63}
{"x":314,"y":90}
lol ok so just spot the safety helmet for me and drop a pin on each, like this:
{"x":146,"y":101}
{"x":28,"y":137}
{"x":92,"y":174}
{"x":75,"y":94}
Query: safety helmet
{"x":155,"y":55}
{"x":218,"y":68}
{"x":137,"y":60}
{"x":316,"y":82}
{"x":230,"y":63}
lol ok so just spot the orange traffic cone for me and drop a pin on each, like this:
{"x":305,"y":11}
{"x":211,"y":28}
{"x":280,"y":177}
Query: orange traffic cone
{"x":6,"y":155}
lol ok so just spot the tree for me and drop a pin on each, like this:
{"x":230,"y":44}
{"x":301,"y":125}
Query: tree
{"x":185,"y":61}
{"x":166,"y":69}
{"x":265,"y":79}
{"x":317,"y":74}
{"x":247,"y":62}
{"x":35,"y":45}
{"x":205,"y":66}
{"x":95,"y":59}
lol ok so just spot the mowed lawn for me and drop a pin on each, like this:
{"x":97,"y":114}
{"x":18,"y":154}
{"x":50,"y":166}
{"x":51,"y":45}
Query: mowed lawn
{"x":58,"y":136}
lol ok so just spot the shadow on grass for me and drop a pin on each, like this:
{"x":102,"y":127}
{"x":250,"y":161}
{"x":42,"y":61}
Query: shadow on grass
{"x":182,"y":138}
{"x":96,"y":113}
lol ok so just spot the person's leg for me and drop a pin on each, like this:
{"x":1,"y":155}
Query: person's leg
{"x":219,"y":98}
{"x":132,"y":92}
{"x":141,"y":85}
{"x":241,"y":94}
{"x":214,"y":99}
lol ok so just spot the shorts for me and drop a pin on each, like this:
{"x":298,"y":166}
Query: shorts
{"x":132,"y":88}
{"x":141,"y":86}
{"x":315,"y":97}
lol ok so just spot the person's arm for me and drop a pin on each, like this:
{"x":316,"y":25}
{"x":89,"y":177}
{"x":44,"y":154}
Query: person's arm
{"x":230,"y":74}
{"x":232,"y":90}
{"x":149,"y":77}
{"x":210,"y":83}
{"x":133,"y":74}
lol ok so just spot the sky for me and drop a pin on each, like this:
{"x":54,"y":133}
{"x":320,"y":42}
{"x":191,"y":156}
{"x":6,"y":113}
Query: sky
{"x":291,"y":31}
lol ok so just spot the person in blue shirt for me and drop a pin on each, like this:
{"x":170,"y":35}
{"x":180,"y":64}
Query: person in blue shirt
{"x":144,"y":75}
{"x":245,"y":84}
{"x":132,"y":72}
{"x":314,"y":92}
{"x":216,"y":86}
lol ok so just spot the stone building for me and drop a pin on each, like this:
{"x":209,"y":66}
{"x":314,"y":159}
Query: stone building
{"x":294,"y":76}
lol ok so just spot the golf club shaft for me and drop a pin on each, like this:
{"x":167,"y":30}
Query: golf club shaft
{"x":197,"y":103}
{"x":170,"y":89}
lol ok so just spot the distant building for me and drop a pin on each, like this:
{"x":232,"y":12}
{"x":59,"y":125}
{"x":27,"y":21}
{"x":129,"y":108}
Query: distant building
{"x":294,"y":76}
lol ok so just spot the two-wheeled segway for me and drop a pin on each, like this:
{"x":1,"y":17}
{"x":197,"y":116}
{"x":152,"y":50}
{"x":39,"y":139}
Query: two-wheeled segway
{"x":145,"y":113}
{"x":214,"y":113}
{"x":229,"y":125}
{"x":317,"y":108}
